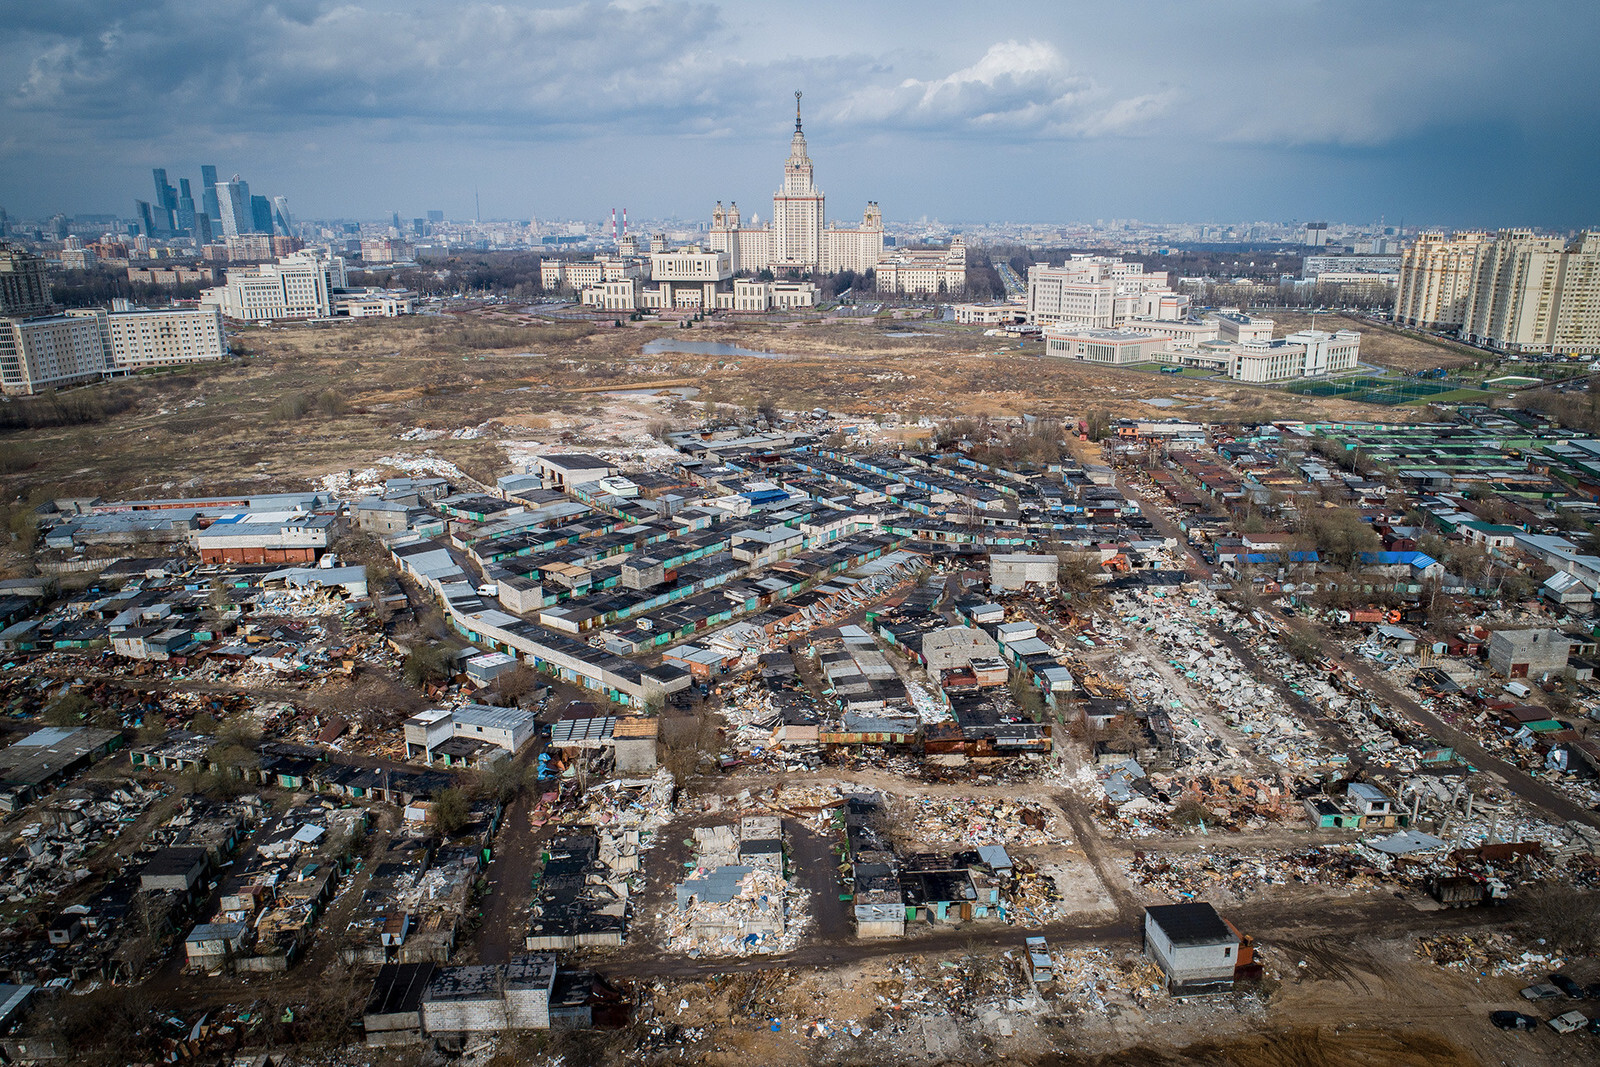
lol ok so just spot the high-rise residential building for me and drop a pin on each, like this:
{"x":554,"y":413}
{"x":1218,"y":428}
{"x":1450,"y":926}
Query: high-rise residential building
{"x":1436,"y":277}
{"x":208,"y":193}
{"x":233,"y":199}
{"x":1536,"y":294}
{"x":797,"y":237}
{"x":166,"y":200}
{"x":24,"y":283}
{"x":1515,"y":291}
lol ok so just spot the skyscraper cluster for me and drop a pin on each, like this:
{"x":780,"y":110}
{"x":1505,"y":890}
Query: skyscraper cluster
{"x":226,"y":209}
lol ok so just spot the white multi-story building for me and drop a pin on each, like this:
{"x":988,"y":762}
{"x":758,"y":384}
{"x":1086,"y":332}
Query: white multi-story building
{"x":1317,"y":266}
{"x":373,"y":303}
{"x":1235,"y":327}
{"x":798,"y":238}
{"x":84,"y":345}
{"x":622,"y":294}
{"x":142,"y":339}
{"x":930,"y":272}
{"x":1257,"y":358}
{"x":1098,"y":292}
{"x":687,"y":278}
{"x":556,"y":275}
{"x":751,"y":295}
{"x":300,"y":286}
{"x":1115,"y":347}
{"x":48,"y":352}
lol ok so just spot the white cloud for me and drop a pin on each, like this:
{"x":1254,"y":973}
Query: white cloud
{"x":1017,"y":88}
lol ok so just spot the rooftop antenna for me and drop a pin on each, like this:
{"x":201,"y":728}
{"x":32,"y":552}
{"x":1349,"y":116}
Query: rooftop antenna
{"x":797,"y":111}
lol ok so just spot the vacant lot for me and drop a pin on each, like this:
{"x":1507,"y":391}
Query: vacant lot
{"x":307,"y":401}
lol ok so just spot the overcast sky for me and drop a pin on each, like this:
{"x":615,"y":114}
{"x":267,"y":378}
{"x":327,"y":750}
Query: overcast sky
{"x":1440,"y":112}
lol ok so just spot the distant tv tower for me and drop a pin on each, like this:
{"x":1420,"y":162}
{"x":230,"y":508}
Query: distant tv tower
{"x":477,"y":207}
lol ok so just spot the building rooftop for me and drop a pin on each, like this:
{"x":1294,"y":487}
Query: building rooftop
{"x":1191,"y":924}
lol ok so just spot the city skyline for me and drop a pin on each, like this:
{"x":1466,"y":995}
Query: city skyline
{"x":1069,"y":112}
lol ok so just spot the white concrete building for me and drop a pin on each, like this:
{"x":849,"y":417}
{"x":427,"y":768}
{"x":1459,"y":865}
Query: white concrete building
{"x":374,"y":303}
{"x":161,"y":337}
{"x":86,"y":344}
{"x":1115,"y":347}
{"x":1196,"y":949}
{"x":1100,"y":292}
{"x":687,"y":278}
{"x":299,"y":286}
{"x":1007,"y":314}
{"x":49,"y":352}
{"x":623,"y":294}
{"x":930,"y":272}
{"x":1235,"y":327}
{"x":1259,"y":359}
{"x":506,"y":728}
{"x":751,"y":295}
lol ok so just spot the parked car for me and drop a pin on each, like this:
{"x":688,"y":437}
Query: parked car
{"x":1567,"y":1022}
{"x":1542,"y":991}
{"x":1567,"y":985}
{"x":1592,"y":990}
{"x":1513,"y":1020}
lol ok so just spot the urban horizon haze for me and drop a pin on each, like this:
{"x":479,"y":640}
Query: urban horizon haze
{"x":1468,"y":114}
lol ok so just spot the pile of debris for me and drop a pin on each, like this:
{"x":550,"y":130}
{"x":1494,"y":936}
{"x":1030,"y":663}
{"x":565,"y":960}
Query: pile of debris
{"x":1095,"y":979}
{"x":72,"y":824}
{"x":1239,"y":875}
{"x":947,"y":822}
{"x":737,"y":899}
{"x":1487,"y":954}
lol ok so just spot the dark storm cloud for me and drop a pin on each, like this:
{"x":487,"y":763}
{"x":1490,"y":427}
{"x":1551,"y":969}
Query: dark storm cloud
{"x":1356,"y":103}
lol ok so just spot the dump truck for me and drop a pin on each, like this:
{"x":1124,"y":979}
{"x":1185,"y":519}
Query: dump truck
{"x":1462,"y":891}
